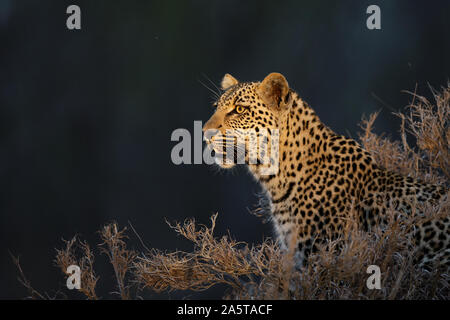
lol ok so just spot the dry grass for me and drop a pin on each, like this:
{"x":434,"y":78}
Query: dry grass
{"x":213,"y":261}
{"x":337,"y":271}
{"x":114,"y":246}
{"x":79,"y":253}
{"x":120,"y":257}
{"x":427,"y":124}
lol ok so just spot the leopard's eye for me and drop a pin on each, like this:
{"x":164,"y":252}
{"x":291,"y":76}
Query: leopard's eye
{"x":240,"y":109}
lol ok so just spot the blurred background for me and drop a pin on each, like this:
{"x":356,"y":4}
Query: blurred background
{"x":86,"y":116}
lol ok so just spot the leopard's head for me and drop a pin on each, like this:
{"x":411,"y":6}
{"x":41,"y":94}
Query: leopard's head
{"x":247,"y":116}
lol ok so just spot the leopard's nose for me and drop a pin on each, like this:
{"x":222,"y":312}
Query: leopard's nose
{"x":211,"y":127}
{"x":208,"y":134}
{"x":214,"y":123}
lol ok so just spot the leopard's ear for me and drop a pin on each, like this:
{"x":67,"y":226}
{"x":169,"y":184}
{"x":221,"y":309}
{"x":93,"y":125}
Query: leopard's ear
{"x":274,"y":90}
{"x":228,"y":81}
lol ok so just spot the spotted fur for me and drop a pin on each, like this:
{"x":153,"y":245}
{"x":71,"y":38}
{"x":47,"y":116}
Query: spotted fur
{"x":321,"y":174}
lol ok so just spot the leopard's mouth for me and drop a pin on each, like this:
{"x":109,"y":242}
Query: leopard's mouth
{"x":223,"y":158}
{"x":225,"y":152}
{"x":230,"y":150}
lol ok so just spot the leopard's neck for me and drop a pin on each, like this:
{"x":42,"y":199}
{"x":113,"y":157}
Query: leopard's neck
{"x":302,"y":146}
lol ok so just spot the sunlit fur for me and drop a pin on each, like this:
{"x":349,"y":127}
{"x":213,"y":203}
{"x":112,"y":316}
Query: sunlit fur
{"x":322,"y":176}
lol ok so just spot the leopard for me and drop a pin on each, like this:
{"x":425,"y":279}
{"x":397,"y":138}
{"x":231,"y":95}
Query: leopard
{"x":322,"y":178}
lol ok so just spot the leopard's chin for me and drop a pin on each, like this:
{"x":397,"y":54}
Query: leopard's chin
{"x":226,"y":166}
{"x":222,"y":162}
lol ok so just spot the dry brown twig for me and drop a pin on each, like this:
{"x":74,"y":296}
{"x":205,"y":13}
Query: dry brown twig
{"x":68,"y":256}
{"x":120,"y":257}
{"x":213,"y":261}
{"x":34,"y":294}
{"x":428,"y":125}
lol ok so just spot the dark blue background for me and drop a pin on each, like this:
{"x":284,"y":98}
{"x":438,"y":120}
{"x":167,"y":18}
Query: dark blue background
{"x":86,"y":116}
